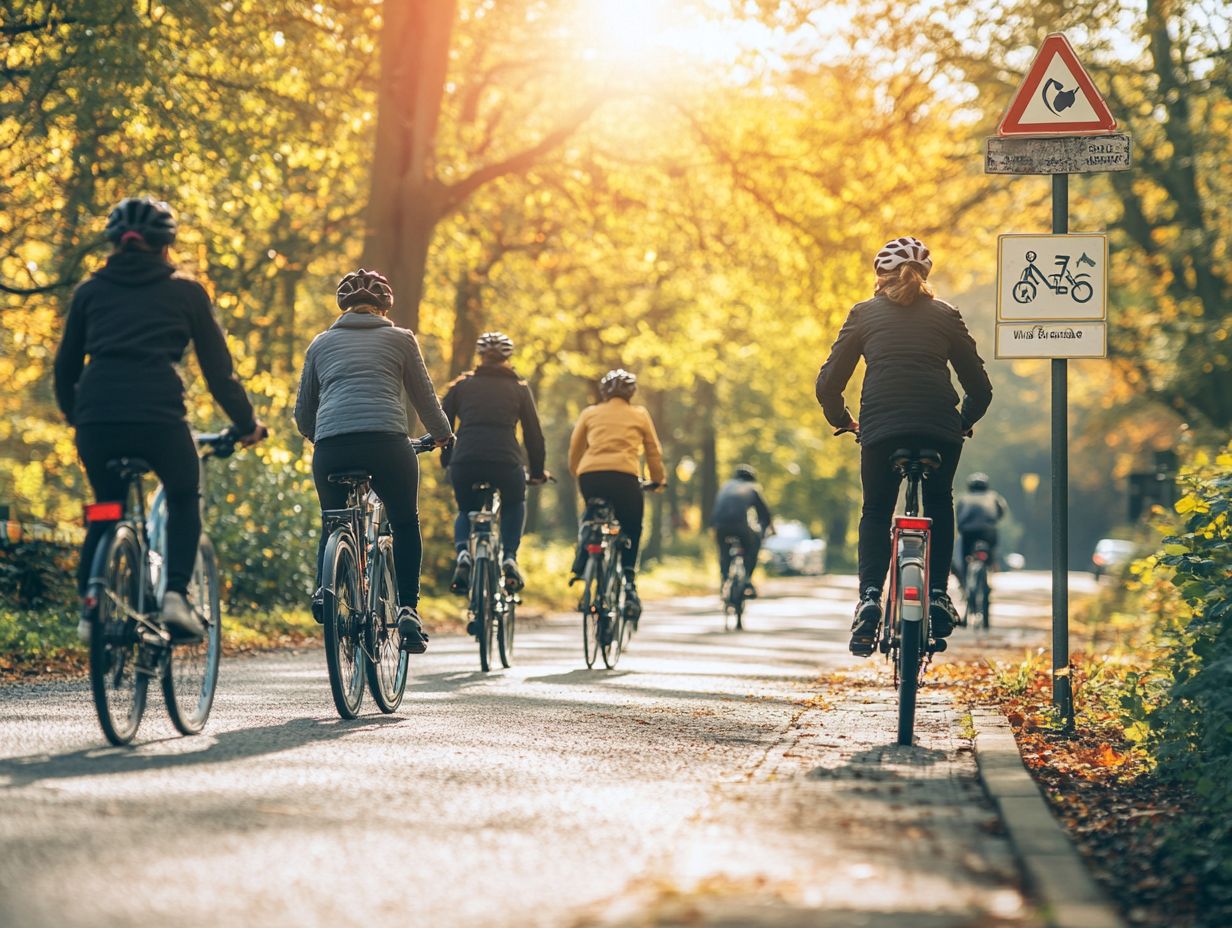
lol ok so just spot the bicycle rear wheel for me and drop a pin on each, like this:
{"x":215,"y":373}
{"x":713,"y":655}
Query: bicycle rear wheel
{"x":508,"y":625}
{"x":119,"y":688}
{"x":910,"y":652}
{"x":344,"y":654}
{"x":387,"y":662}
{"x":191,"y":673}
{"x":483,"y":593}
{"x":591,"y":603}
{"x":985,"y":595}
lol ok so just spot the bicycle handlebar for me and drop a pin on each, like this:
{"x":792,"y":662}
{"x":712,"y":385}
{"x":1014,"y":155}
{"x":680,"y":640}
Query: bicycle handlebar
{"x":423,"y":444}
{"x":649,"y":486}
{"x":218,"y":444}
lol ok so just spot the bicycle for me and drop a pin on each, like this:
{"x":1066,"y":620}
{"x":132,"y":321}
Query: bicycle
{"x":735,"y":586}
{"x":359,"y":597}
{"x":607,"y":624}
{"x":128,"y":644}
{"x":976,"y":588}
{"x":1062,"y":282}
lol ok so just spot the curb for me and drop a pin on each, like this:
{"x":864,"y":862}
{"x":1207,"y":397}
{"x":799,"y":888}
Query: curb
{"x":1066,"y":892}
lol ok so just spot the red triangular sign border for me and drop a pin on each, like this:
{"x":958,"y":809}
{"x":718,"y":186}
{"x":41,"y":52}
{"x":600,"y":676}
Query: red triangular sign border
{"x":1056,"y":44}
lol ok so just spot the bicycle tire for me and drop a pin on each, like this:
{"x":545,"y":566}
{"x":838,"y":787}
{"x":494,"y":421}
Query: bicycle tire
{"x":985,"y":592}
{"x":344,"y":654}
{"x":481,"y":609}
{"x":969,"y":603}
{"x":911,"y":644}
{"x":387,"y":663}
{"x":590,"y":615}
{"x":614,"y":607}
{"x":508,"y":626}
{"x":119,"y":689}
{"x":190,"y":676}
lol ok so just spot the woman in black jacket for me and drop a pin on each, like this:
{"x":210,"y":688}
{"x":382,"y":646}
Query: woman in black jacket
{"x":133,"y":319}
{"x":908,"y":339}
{"x":491,"y":400}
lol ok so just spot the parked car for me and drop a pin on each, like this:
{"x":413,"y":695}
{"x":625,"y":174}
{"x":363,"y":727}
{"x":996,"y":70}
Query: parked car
{"x":1111,"y":554}
{"x":793,"y":550}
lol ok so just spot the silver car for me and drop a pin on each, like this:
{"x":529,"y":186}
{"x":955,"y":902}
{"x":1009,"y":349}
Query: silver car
{"x":793,"y":550}
{"x":1111,"y":555}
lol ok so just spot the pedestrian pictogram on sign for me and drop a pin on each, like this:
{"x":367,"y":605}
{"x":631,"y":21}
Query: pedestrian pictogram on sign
{"x":1057,"y":97}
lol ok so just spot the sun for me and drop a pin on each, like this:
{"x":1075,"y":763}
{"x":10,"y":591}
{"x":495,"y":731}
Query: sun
{"x":647,"y":34}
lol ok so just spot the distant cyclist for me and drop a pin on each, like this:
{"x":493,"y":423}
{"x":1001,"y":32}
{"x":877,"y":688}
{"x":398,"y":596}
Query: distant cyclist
{"x":740,"y":510}
{"x":350,"y":406}
{"x":491,"y":401}
{"x":977,"y":513}
{"x":133,"y":319}
{"x":909,"y":340}
{"x":605,"y":455}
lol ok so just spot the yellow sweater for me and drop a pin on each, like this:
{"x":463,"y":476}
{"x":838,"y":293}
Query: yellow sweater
{"x":612,"y":436}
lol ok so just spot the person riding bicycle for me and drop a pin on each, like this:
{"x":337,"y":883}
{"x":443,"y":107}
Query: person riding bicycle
{"x":134,"y":318}
{"x":605,"y":454}
{"x":351,"y":406}
{"x":909,"y":340}
{"x":740,"y":510}
{"x":977,"y":513}
{"x":491,"y":400}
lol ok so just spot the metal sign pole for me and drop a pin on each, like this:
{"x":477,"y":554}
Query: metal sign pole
{"x":1062,"y":690}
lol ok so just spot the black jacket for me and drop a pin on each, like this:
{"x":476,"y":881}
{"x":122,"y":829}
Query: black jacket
{"x":732,"y":505}
{"x":133,"y":319}
{"x":907,"y":388}
{"x":491,"y":400}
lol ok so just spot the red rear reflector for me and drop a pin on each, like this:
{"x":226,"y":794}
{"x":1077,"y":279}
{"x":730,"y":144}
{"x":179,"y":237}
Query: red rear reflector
{"x":910,"y":522}
{"x":104,"y":512}
{"x":911,"y":594}
{"x":982,"y":555}
{"x":594,"y":549}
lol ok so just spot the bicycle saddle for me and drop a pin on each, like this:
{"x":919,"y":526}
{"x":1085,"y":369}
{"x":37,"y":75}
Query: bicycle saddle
{"x":129,"y":467}
{"x":925,"y":457}
{"x":350,"y":477}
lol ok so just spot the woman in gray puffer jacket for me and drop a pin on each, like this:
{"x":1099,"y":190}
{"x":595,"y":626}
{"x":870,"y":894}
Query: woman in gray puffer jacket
{"x":350,"y":406}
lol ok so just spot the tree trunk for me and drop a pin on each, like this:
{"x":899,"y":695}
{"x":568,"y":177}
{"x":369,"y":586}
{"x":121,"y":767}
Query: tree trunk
{"x":467,"y":304}
{"x":706,"y":401}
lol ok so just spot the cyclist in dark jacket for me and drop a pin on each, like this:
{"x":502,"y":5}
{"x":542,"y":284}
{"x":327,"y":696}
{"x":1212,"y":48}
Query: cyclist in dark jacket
{"x":740,"y":510}
{"x":977,"y":512}
{"x":491,"y":400}
{"x":909,"y":340}
{"x":350,"y":406}
{"x":133,"y":319}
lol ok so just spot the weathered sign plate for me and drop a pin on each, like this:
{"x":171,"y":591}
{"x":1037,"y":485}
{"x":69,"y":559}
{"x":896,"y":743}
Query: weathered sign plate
{"x":1052,"y":340}
{"x":1067,"y":154}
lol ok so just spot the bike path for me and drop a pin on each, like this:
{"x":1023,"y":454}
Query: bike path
{"x":699,"y":782}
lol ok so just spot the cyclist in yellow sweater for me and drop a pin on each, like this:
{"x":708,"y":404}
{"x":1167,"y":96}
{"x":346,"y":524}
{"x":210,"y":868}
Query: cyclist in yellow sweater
{"x":605,"y":455}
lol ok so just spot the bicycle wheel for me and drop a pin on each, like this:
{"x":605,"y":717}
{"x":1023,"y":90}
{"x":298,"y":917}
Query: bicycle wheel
{"x":985,"y":595}
{"x":387,"y":662}
{"x":483,"y":593}
{"x":191,"y":673}
{"x":910,"y":652}
{"x":591,"y":601}
{"x":508,"y":625}
{"x":1024,"y":291}
{"x":1081,"y":291}
{"x":613,"y":611}
{"x":344,"y":612}
{"x":119,"y":688}
{"x":970,"y":603}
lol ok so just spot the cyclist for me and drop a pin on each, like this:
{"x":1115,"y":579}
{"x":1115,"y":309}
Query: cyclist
{"x":909,"y":339}
{"x":491,"y":400}
{"x":350,"y":406}
{"x":605,"y":454}
{"x":741,"y":510}
{"x":977,"y":513}
{"x":134,"y":318}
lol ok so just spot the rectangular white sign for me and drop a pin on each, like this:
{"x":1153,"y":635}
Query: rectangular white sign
{"x":1052,"y":277}
{"x":1052,"y":340}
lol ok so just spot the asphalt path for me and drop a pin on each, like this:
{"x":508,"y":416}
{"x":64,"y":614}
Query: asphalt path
{"x":703,"y":781}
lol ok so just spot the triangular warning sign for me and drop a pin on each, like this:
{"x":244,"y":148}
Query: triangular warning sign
{"x":1057,"y":97}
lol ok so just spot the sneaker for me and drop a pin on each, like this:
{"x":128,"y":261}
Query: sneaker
{"x":942,"y":616}
{"x":318,"y":605}
{"x":84,"y":628}
{"x":750,"y":591}
{"x":864,"y":625}
{"x":472,"y":628}
{"x":513,"y":576}
{"x":633,"y":603}
{"x":180,"y":619}
{"x":461,"y":581}
{"x":410,"y":630}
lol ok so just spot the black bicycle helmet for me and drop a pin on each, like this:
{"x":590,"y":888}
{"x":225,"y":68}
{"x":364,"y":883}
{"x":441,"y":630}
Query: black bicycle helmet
{"x":141,"y":219}
{"x":362,"y":287}
{"x":978,"y":482}
{"x":905,"y":250}
{"x":618,"y":383}
{"x":746,"y":472}
{"x":494,"y":344}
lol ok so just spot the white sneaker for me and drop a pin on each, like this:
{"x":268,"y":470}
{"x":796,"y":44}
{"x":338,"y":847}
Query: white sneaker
{"x":84,"y":627}
{"x":180,"y":619}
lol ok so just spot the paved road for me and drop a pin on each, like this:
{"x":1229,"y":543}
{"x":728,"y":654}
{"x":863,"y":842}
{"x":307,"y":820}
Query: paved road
{"x":703,"y":782}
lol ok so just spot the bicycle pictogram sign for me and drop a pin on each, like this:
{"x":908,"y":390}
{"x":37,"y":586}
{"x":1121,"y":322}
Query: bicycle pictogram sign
{"x":1078,"y":286}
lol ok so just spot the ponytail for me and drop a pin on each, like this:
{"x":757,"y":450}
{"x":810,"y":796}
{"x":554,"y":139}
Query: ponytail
{"x":904,"y":284}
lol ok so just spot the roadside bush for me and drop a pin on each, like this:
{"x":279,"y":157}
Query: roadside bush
{"x":38,"y":575}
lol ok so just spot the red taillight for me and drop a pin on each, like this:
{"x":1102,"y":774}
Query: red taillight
{"x":913,"y":523}
{"x":911,"y":594}
{"x":1099,"y":560}
{"x":90,"y":601}
{"x":981,"y":555}
{"x":104,"y":512}
{"x":595,"y":549}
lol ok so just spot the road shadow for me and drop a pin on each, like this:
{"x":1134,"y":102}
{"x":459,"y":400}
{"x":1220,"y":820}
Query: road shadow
{"x":880,"y":764}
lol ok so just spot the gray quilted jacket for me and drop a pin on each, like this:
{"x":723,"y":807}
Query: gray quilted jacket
{"x":354,"y":378}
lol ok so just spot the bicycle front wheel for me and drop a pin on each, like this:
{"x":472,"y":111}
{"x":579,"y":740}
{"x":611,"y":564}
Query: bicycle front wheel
{"x":191,"y":673}
{"x":344,"y":611}
{"x":119,"y":687}
{"x":591,"y":603}
{"x":483,"y":593}
{"x":387,"y":662}
{"x":508,"y":625}
{"x":613,"y":617}
{"x":985,"y":595}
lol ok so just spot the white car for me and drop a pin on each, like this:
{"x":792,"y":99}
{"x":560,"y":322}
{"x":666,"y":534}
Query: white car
{"x":793,"y":550}
{"x":1111,"y":554}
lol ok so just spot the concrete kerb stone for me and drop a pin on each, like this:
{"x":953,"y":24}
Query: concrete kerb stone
{"x":1068,"y":896}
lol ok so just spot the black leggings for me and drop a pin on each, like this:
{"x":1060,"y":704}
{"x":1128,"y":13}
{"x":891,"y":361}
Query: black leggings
{"x":749,"y":540}
{"x":390,"y":459}
{"x":170,"y":450}
{"x":881,"y":485}
{"x":510,"y":479}
{"x":624,"y":492}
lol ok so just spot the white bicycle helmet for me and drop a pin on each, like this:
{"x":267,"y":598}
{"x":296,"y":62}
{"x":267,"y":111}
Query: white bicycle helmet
{"x":365,"y":287}
{"x":905,"y":250}
{"x":495,"y":343}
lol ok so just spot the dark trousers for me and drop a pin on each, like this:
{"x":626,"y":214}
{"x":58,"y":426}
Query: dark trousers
{"x":967,"y":543}
{"x":390,"y":459}
{"x":749,"y":540}
{"x":170,"y":450}
{"x":881,"y":485}
{"x":510,"y":479}
{"x":624,"y":492}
